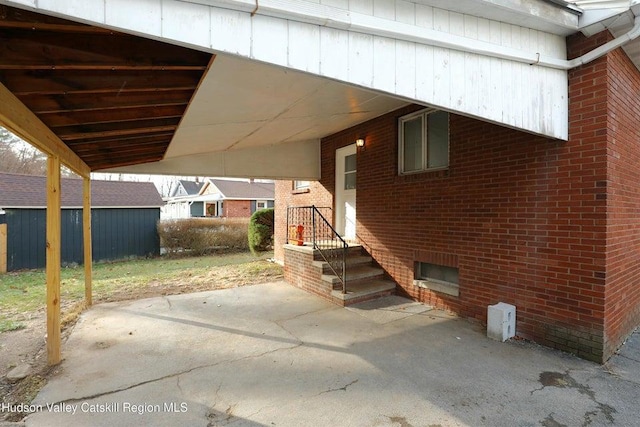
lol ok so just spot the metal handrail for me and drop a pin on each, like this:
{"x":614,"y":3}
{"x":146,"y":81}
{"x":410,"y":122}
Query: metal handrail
{"x":324,"y":238}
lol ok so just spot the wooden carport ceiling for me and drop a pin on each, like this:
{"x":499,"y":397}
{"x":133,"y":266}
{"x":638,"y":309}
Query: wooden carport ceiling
{"x":114,"y":99}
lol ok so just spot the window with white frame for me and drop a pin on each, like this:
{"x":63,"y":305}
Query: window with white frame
{"x":261,"y":204}
{"x":300,"y":185}
{"x":423,"y":141}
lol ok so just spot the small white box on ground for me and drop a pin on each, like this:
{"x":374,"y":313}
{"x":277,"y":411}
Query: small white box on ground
{"x":501,"y":321}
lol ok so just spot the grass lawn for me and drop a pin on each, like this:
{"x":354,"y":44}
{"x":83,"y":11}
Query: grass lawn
{"x":22,"y":294}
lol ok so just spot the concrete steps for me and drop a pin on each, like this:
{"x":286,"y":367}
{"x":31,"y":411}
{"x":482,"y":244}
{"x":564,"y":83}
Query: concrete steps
{"x":363,"y":291}
{"x":356,"y":273}
{"x":364,"y":280}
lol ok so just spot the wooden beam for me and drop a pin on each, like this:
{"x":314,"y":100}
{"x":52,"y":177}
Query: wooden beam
{"x":127,"y":151}
{"x":105,"y":145}
{"x":63,"y":81}
{"x":110,"y":163}
{"x":17,"y":118}
{"x":90,"y":102}
{"x":28,"y":48}
{"x":84,"y":67}
{"x":99,"y":92}
{"x":3,"y":248}
{"x":86,"y":232}
{"x":118,"y":132}
{"x":53,"y":260}
{"x":112,"y":115}
{"x":58,"y":28}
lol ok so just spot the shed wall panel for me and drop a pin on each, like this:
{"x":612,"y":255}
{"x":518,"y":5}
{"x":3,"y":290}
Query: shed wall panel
{"x":116,"y":234}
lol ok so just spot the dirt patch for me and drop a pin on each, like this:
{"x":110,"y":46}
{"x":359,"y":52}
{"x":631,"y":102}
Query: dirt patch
{"x":28,"y":345}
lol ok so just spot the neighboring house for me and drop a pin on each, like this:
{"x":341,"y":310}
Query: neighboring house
{"x":123,"y":220}
{"x":223,"y":198}
{"x":182,"y":187}
{"x":179,"y":202}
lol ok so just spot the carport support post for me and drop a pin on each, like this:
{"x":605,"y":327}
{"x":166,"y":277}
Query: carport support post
{"x":86,"y":232}
{"x":53,"y":260}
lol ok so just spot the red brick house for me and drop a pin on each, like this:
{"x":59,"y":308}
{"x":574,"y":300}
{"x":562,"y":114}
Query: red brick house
{"x":499,"y":157}
{"x":221,"y":198}
{"x":550,"y":226}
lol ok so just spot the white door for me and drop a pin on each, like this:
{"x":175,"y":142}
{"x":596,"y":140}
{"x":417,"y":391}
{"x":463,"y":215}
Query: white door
{"x":346,"y":166}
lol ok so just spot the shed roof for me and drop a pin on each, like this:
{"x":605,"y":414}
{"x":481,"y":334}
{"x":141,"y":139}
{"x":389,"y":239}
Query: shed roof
{"x":29,"y":191}
{"x":244,"y":190}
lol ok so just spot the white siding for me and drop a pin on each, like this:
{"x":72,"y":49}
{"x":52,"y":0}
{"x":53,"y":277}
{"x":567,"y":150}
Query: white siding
{"x":140,"y":16}
{"x":304,"y":47}
{"x":231,"y":31}
{"x":91,"y":10}
{"x":528,"y":97}
{"x":186,"y":22}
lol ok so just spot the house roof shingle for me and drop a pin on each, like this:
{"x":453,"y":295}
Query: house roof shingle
{"x":28,"y":191}
{"x":191,"y":187}
{"x":244,"y":190}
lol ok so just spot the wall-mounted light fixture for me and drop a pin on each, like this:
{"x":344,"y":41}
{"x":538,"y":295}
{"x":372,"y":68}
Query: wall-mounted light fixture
{"x":360,"y":143}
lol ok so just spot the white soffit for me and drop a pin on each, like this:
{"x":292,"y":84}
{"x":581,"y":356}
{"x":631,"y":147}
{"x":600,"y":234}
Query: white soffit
{"x":244,"y":109}
{"x":242,"y":104}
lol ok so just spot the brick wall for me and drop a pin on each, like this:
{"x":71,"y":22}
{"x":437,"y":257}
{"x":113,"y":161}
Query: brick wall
{"x":622,"y":302}
{"x":286,"y":196}
{"x":523,"y":217}
{"x":517,"y":214}
{"x":300,"y":272}
{"x":237,"y":208}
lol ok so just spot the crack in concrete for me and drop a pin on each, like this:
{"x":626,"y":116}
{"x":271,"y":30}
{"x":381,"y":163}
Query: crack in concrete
{"x":611,"y":371}
{"x":628,"y":358}
{"x":175,"y":374}
{"x":215,"y":395}
{"x":178,"y":385}
{"x":344,"y":388}
{"x":280,"y":322}
{"x":255,"y":356}
{"x":168,"y":302}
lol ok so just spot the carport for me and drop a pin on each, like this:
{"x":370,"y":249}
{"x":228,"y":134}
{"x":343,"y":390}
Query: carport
{"x":233,"y":88}
{"x":114,"y":100}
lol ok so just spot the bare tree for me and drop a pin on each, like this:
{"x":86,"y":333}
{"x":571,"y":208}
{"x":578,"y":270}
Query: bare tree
{"x":16,"y":156}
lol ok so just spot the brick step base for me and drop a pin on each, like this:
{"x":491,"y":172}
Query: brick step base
{"x":365,"y":280}
{"x":363,"y":291}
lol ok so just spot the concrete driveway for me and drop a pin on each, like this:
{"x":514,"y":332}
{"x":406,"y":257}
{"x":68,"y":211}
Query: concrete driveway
{"x":272,"y":355}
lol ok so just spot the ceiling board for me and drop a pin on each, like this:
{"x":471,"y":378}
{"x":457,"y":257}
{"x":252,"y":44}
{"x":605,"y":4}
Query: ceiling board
{"x":123,"y":102}
{"x":95,"y":88}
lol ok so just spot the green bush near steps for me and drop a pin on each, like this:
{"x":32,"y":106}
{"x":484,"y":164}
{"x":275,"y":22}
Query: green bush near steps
{"x":261,"y":230}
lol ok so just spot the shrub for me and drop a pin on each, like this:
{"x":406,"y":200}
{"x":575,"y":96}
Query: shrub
{"x":202,"y":235}
{"x":261,"y":230}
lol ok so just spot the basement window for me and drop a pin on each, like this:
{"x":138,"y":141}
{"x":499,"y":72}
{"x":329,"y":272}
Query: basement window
{"x":437,"y":278}
{"x":300,"y":185}
{"x":423,"y":141}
